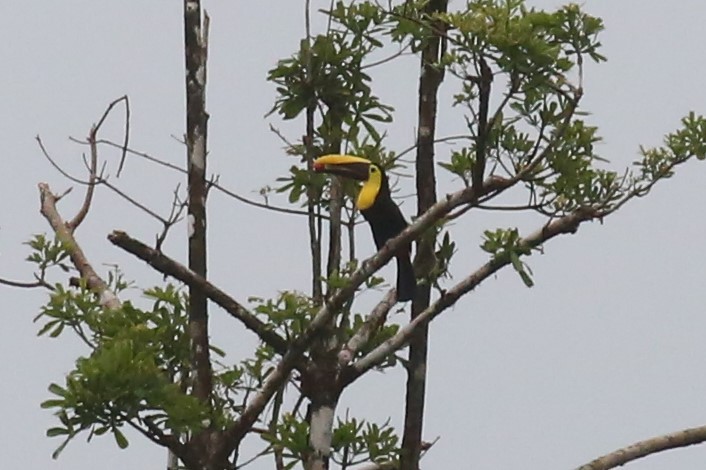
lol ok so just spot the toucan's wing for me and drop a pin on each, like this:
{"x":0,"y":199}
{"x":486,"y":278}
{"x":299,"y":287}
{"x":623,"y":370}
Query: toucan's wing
{"x":406,"y":280}
{"x":386,"y":221}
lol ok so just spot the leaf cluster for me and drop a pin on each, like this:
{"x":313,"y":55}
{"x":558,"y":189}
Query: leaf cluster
{"x":353,"y":442}
{"x":137,"y":368}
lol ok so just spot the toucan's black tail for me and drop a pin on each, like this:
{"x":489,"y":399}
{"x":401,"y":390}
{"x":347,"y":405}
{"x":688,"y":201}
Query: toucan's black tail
{"x":406,"y":281}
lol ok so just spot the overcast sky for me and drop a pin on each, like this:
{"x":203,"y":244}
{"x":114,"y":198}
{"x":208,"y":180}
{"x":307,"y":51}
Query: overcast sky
{"x":607,"y":349}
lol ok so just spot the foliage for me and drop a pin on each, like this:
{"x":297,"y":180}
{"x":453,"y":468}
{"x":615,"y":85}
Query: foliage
{"x":354,"y":442}
{"x":133,"y":372}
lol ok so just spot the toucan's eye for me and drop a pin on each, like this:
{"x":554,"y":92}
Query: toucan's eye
{"x":373,"y":169}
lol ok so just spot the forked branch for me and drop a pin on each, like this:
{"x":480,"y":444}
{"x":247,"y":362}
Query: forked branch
{"x":94,"y":282}
{"x":563,"y":225}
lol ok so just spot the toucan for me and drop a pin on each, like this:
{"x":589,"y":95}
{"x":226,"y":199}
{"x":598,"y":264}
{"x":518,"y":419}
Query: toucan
{"x":376,"y":204}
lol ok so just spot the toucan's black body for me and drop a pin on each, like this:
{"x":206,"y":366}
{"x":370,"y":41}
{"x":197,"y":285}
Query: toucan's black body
{"x":386,"y":222}
{"x":376,"y":204}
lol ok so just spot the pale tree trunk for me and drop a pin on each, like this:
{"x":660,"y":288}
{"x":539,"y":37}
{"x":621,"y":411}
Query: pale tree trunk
{"x":195,"y":48}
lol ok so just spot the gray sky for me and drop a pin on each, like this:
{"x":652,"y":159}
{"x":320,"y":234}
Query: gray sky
{"x":607,"y":348}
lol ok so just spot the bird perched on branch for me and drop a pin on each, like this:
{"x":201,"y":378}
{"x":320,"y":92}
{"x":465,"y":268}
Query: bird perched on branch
{"x":378,"y":208}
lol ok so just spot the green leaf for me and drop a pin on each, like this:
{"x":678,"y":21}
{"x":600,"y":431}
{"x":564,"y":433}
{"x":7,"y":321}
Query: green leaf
{"x":48,"y":326}
{"x":526,"y":279}
{"x":57,"y":390}
{"x":516,"y":263}
{"x":57,"y":331}
{"x":120,"y":438}
{"x":521,"y":269}
{"x":52,"y":403}
{"x":53,"y":432}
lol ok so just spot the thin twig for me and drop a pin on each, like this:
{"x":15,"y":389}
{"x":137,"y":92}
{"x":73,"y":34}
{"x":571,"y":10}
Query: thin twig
{"x":175,"y":215}
{"x":126,"y":138}
{"x":132,"y":201}
{"x":523,"y":207}
{"x":56,"y":166}
{"x":215,"y":185}
{"x":25,"y":285}
{"x":436,"y":141}
{"x":401,"y":52}
{"x":98,"y":181}
{"x":92,"y":141}
{"x":83,"y":211}
{"x":641,"y":191}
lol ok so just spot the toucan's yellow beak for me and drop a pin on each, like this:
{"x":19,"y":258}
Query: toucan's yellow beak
{"x":344,"y":165}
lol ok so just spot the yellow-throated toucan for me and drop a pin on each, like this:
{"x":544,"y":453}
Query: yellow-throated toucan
{"x":378,"y":208}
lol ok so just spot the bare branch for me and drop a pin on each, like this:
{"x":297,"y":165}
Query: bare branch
{"x":261,"y":205}
{"x":169,"y":267}
{"x":277,"y":450}
{"x":289,"y":145}
{"x":211,"y":184}
{"x":403,"y":51}
{"x":178,"y":207}
{"x":131,"y":200}
{"x":638,"y":450}
{"x":449,"y":138}
{"x":26,"y":285}
{"x":83,"y":211}
{"x":56,"y":165}
{"x":94,"y":282}
{"x":126,"y":138}
{"x":522,"y":207}
{"x":99,"y":180}
{"x":566,"y":224}
{"x":134,"y":152}
{"x":81,"y":215}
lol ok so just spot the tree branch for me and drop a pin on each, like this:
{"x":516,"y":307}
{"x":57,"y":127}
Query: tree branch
{"x":93,"y":167}
{"x":108,"y":299}
{"x":373,"y":322}
{"x":638,"y":450}
{"x":169,"y":267}
{"x":26,"y":285}
{"x":92,"y":175}
{"x":99,"y":180}
{"x":312,"y":196}
{"x":566,"y":224}
{"x":211,"y":184}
